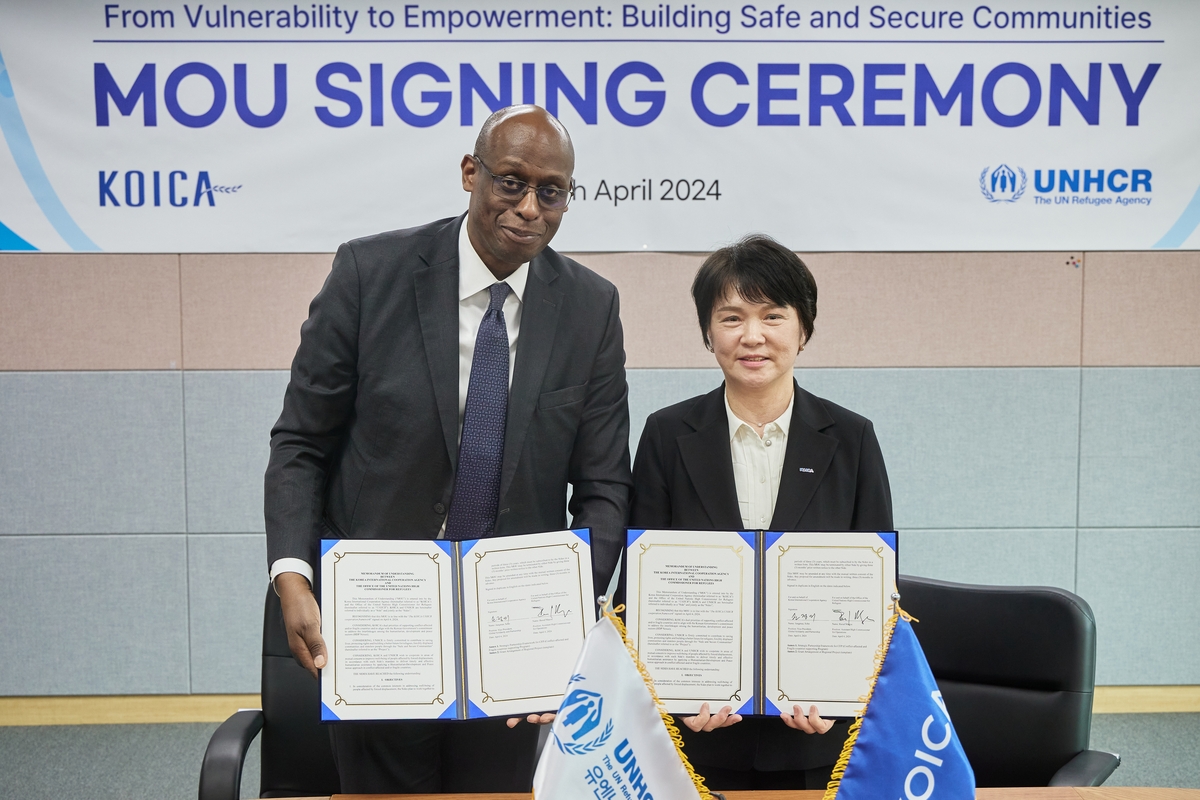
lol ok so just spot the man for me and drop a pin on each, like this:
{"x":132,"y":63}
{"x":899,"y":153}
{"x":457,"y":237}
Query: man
{"x":451,"y":380}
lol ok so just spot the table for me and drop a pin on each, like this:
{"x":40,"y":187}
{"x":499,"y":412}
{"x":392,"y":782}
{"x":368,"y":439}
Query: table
{"x":1057,"y":793}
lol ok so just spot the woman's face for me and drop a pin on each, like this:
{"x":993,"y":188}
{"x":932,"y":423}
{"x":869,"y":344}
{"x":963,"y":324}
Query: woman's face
{"x":755,"y":343}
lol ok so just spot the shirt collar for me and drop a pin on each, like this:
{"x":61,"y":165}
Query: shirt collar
{"x":475,"y":277}
{"x":784,"y":421}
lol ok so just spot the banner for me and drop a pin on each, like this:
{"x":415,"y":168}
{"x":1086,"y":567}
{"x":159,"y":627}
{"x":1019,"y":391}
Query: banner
{"x":291,"y":126}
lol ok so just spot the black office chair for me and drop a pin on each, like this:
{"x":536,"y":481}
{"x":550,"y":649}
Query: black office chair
{"x":297,"y":758}
{"x":1016,"y":666}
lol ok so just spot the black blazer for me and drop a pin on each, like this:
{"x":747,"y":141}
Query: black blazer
{"x":366,"y":445}
{"x":683,"y":478}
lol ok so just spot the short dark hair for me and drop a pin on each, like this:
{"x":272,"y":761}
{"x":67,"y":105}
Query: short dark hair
{"x":761,"y":270}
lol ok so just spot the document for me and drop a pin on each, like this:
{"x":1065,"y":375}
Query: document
{"x":759,"y":620}
{"x":528,"y":603}
{"x":691,"y":615}
{"x":827,"y":597}
{"x":420,"y":629}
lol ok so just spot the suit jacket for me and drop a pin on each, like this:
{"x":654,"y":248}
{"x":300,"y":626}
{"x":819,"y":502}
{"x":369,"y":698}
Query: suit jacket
{"x":367,"y":443}
{"x":683,"y":478}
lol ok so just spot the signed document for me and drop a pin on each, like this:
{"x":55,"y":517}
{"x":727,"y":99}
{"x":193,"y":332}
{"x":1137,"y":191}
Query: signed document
{"x":759,"y":620}
{"x":528,"y":602}
{"x":827,"y":597}
{"x":691,"y":616}
{"x":420,"y":629}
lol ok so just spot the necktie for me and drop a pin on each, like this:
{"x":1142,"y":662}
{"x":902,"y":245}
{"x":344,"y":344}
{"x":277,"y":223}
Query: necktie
{"x":481,"y":450}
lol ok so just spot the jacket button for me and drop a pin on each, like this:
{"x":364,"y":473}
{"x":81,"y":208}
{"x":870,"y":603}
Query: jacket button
{"x":438,"y":508}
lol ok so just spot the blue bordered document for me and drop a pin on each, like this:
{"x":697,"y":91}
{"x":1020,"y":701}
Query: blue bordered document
{"x":421,"y":629}
{"x":759,"y":620}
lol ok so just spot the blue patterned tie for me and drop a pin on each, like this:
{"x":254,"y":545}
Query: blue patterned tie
{"x":481,"y":450}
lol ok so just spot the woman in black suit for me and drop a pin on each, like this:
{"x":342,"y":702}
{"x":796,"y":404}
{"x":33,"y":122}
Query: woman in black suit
{"x":759,"y":452}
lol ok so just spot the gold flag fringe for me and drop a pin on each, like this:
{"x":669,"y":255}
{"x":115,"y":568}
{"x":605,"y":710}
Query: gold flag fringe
{"x":672,"y":730}
{"x":839,"y":769}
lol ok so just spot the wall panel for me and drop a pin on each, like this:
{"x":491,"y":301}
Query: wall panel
{"x":1003,"y":556}
{"x":1140,"y":447}
{"x":229,"y":419}
{"x":91,"y":452}
{"x":93,"y":615}
{"x":1141,"y":585}
{"x":95,"y":311}
{"x":1140,"y":309}
{"x":227,"y":578}
{"x":244,"y":311}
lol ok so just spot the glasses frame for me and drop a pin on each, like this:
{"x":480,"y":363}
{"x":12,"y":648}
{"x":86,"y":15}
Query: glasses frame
{"x":526,"y":188}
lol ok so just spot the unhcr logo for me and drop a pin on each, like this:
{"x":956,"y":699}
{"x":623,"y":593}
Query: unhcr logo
{"x":576,"y":729}
{"x":1000,"y":185}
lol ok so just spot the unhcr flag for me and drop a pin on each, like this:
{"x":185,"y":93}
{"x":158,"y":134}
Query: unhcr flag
{"x":610,"y":740}
{"x":904,"y":744}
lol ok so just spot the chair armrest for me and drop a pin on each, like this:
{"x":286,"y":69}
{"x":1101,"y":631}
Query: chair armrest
{"x":1089,"y":768}
{"x":221,"y":772}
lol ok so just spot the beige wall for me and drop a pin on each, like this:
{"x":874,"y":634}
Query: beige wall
{"x":161,"y":312}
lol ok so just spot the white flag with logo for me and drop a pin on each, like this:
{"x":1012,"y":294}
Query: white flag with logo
{"x":609,"y":740}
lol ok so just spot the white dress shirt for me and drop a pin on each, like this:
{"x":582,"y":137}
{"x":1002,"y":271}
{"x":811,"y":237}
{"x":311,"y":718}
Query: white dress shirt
{"x":474,"y":295}
{"x":758,"y":465}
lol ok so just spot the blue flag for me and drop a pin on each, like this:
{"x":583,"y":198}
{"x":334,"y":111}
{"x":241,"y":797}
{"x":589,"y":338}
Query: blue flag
{"x":905,"y":745}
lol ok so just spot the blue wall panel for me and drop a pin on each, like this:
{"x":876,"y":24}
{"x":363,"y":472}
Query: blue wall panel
{"x":1003,"y":557}
{"x":229,"y":417}
{"x":93,"y":615}
{"x":1142,"y":586}
{"x":227,"y":576}
{"x":91,"y":452}
{"x":1140,"y":448}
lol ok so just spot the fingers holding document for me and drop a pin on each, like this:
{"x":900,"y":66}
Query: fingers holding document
{"x":809,"y":724}
{"x":535,"y":719}
{"x":708,"y":721}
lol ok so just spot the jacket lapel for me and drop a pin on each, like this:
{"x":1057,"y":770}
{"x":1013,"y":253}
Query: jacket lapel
{"x":809,"y":449}
{"x":540,"y":309}
{"x":436,"y":290}
{"x":706,"y":457}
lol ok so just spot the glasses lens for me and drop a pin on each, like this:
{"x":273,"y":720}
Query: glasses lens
{"x":509,"y":187}
{"x":553,"y":198}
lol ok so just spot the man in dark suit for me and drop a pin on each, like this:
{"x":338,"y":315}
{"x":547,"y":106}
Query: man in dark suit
{"x":452,"y":380}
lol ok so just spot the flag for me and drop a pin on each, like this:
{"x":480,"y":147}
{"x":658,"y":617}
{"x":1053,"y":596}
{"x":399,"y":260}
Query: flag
{"x":610,"y":740}
{"x":904,"y":744}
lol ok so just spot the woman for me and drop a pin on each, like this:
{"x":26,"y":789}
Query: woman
{"x":759,"y":452}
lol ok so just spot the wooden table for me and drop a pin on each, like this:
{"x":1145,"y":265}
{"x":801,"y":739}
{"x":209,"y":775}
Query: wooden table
{"x":1100,"y":793}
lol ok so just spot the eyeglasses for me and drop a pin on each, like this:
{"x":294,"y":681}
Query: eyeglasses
{"x":513,"y":189}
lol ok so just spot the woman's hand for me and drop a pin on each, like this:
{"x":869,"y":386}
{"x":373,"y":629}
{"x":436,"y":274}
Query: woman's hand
{"x":536,"y":719}
{"x":810,"y":724}
{"x":707,"y":721}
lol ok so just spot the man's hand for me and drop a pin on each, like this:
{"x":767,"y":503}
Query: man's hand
{"x":706,"y":721}
{"x":536,"y":719}
{"x":810,"y":724}
{"x":301,"y":620}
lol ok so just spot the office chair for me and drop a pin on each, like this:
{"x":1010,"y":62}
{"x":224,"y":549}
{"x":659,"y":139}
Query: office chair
{"x":297,"y":757}
{"x":1016,"y":666}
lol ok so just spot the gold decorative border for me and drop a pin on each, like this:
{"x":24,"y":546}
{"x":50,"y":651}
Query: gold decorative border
{"x":884,"y":597}
{"x":437,"y":571}
{"x":583,"y":606}
{"x":741,"y":595}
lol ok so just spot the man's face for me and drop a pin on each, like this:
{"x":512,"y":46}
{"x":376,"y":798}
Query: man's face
{"x":507,"y":233}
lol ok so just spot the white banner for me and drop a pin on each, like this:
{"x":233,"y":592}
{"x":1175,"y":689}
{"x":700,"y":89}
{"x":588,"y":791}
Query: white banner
{"x":280,"y":126}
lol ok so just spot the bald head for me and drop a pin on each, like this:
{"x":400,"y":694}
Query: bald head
{"x":521,"y":125}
